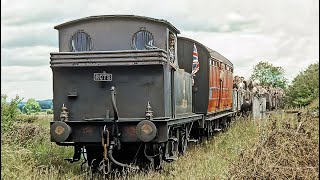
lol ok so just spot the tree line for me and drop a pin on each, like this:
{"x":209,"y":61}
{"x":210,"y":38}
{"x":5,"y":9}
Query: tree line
{"x":302,"y":91}
{"x":33,"y":106}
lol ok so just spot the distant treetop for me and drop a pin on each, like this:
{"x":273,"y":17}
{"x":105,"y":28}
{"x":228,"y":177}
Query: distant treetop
{"x":267,"y":74}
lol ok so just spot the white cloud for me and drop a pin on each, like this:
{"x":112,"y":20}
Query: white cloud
{"x":23,"y":73}
{"x":27,"y":82}
{"x":39,"y":90}
{"x":286,"y":33}
{"x":27,"y":56}
{"x":246,"y":50}
{"x":28,"y":35}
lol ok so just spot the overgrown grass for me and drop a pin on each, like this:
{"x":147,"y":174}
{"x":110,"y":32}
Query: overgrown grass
{"x":27,"y":152}
{"x":288,"y":148}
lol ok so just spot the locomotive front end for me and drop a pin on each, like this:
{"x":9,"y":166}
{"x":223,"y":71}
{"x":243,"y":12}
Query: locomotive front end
{"x":112,"y":88}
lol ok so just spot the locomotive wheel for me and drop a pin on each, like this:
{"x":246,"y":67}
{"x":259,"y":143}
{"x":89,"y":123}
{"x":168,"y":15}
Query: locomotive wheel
{"x":183,"y":143}
{"x":158,"y":160}
{"x":154,"y":153}
{"x":94,"y":157}
{"x":172,"y":146}
{"x":209,"y":130}
{"x":174,"y":151}
{"x":229,"y":119}
{"x":175,"y":146}
{"x":223,"y":123}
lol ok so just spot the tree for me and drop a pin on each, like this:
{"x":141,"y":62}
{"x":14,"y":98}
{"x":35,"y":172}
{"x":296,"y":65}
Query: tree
{"x":305,"y":87}
{"x":31,"y":106}
{"x":9,"y":111}
{"x":268,"y":74}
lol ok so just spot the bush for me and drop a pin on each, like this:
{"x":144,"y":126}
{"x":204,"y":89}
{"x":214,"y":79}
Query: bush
{"x":305,"y":87}
{"x":32,"y":106}
{"x":25,"y":134}
{"x":9,"y":111}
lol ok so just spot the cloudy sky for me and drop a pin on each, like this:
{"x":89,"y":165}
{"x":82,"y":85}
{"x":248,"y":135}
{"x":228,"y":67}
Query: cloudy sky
{"x":283,"y":32}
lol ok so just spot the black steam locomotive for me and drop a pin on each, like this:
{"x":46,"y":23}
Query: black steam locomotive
{"x":124,"y":91}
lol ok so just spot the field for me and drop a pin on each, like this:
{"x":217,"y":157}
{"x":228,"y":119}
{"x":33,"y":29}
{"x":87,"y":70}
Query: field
{"x":282,"y":146}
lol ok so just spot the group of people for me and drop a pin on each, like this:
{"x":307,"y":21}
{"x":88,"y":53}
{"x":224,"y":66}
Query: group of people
{"x":267,"y":95}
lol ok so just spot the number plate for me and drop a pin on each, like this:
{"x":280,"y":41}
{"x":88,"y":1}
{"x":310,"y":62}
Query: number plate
{"x":102,"y":77}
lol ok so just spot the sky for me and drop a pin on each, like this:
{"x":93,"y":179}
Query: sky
{"x":282,"y":32}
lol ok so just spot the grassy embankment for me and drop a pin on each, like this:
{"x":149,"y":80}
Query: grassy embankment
{"x":27,"y":153}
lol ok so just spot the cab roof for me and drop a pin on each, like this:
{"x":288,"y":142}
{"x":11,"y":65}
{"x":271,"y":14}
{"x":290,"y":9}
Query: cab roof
{"x":118,"y":17}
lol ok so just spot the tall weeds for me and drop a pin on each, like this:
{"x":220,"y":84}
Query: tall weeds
{"x":280,"y":147}
{"x":288,"y":148}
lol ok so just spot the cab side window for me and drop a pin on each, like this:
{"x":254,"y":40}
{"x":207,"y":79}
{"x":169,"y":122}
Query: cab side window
{"x":80,"y":41}
{"x":142,"y":40}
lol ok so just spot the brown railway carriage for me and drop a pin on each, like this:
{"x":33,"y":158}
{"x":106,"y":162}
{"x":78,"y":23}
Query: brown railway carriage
{"x":220,"y":83}
{"x":212,"y":90}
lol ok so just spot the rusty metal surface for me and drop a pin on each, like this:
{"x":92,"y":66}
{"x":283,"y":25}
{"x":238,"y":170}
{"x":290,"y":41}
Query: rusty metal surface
{"x":90,"y":132}
{"x":60,"y":131}
{"x":146,"y":130}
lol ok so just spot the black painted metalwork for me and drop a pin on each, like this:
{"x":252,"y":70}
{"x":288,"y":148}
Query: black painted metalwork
{"x":137,"y":73}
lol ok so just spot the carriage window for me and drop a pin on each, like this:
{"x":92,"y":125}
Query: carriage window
{"x":142,"y":40}
{"x":81,"y":41}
